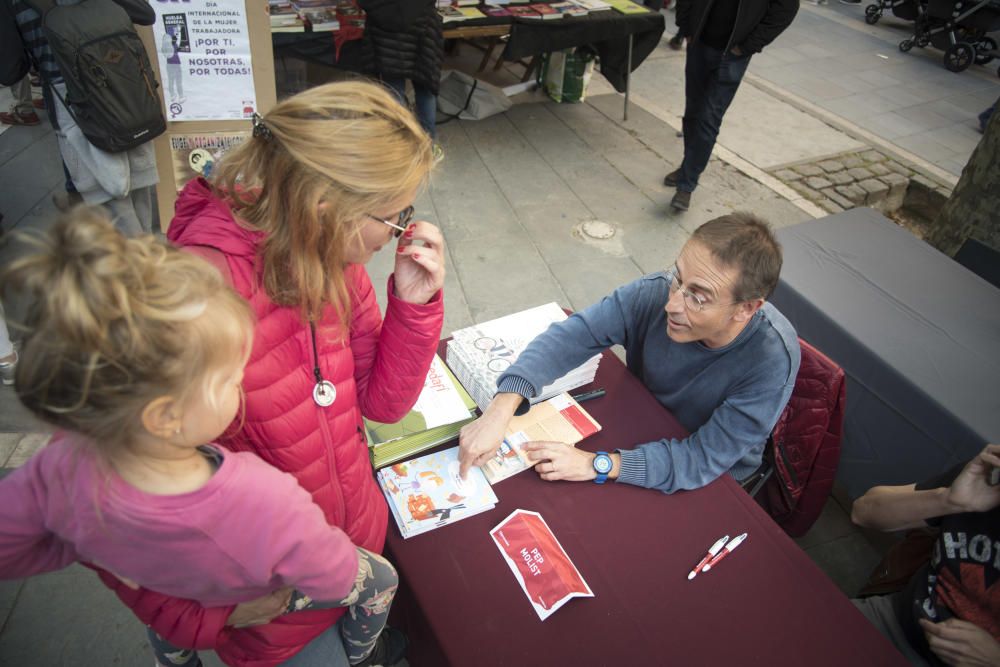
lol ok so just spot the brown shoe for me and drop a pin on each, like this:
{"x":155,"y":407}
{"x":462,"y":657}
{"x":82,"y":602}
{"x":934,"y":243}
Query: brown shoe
{"x":681,"y":200}
{"x":64,"y":201}
{"x":15,"y":118}
{"x":670,"y":180}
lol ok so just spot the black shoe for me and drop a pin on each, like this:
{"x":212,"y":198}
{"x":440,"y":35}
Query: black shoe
{"x":676,"y":42}
{"x":670,"y":180}
{"x":681,"y":200}
{"x":390,"y":649}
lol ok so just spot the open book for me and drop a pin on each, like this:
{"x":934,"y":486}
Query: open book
{"x":560,"y":419}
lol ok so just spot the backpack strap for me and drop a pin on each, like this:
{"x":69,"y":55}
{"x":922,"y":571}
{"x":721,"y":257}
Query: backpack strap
{"x":43,"y":7}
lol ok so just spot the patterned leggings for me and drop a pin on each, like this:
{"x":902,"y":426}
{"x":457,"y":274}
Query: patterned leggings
{"x":367,"y":605}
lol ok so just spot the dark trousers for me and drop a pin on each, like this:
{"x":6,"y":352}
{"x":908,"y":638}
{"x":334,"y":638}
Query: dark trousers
{"x":711,"y":78}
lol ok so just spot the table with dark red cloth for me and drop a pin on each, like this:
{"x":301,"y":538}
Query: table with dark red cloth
{"x":765,"y":604}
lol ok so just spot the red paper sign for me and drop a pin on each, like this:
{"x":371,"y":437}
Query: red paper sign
{"x":539,"y":563}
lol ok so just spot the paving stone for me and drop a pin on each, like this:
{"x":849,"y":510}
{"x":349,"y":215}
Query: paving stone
{"x":840,"y":178}
{"x":879,"y":169}
{"x":830,"y":205}
{"x":830,"y":166}
{"x":852,"y":193}
{"x":897,"y":190}
{"x":852,"y":162}
{"x":876,"y":191}
{"x":872,"y":156}
{"x":787,"y":175}
{"x":860,"y":174}
{"x":809,"y":170}
{"x":804,"y":190}
{"x":840,"y":200}
{"x":900,"y":168}
{"x":818,"y":182}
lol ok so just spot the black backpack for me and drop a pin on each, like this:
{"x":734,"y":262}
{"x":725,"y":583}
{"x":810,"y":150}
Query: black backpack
{"x":110,"y":86}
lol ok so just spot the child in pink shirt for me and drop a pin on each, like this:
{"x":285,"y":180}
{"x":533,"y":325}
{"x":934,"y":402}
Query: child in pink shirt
{"x":135,"y":352}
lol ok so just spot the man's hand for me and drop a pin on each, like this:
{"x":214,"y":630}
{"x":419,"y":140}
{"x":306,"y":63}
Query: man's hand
{"x":559,"y":461}
{"x":961,"y":644}
{"x":971,"y":492}
{"x":261,"y":611}
{"x":478,"y":441}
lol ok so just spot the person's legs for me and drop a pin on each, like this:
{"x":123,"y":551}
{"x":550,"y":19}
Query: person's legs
{"x":716,"y":77}
{"x":879,"y":611}
{"x":23,"y":111}
{"x":397,"y":86}
{"x":327,"y":650}
{"x":123,"y":216}
{"x":426,"y":108}
{"x":168,"y":655}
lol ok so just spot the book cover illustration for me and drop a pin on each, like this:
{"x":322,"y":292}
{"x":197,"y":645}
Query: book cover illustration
{"x":560,"y":419}
{"x":539,"y":563}
{"x":428,"y":492}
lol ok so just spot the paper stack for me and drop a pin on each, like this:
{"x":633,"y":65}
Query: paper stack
{"x":427,"y":492}
{"x":442,"y":409}
{"x":481,"y":353}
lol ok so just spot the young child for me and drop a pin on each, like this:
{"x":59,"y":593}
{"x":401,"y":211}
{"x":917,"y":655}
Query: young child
{"x":135,"y":353}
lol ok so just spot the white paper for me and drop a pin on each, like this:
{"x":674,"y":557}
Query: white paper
{"x":203,"y":48}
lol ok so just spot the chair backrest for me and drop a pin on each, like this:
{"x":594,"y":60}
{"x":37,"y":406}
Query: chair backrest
{"x":805,"y":444}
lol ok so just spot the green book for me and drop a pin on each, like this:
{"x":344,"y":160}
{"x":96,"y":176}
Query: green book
{"x":442,"y":409}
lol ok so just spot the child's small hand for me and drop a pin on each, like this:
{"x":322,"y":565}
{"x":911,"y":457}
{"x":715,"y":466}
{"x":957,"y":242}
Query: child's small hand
{"x":261,"y":611}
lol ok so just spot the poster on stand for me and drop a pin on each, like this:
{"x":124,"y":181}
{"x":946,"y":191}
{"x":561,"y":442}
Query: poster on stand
{"x":203,"y":49}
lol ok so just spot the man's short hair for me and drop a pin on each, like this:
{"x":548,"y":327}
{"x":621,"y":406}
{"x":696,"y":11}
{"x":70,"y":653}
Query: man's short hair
{"x":745,"y":242}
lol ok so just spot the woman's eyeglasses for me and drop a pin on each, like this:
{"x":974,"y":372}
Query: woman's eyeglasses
{"x":402,"y":220}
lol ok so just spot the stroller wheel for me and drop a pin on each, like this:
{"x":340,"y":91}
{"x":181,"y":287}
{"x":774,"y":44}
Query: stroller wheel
{"x":958,"y":57}
{"x":906,"y":45}
{"x":983,"y":49}
{"x":872,"y":14}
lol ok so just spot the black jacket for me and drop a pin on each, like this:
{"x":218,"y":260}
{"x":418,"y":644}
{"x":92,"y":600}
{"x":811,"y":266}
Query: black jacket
{"x":758,"y":22}
{"x":405,"y":40}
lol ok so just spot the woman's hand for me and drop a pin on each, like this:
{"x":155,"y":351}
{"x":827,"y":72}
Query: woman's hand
{"x":261,"y":611}
{"x":419,"y":272}
{"x":961,"y":644}
{"x":559,"y":461}
{"x":971,"y":491}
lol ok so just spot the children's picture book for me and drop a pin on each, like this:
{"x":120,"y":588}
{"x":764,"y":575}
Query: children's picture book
{"x":441,"y":410}
{"x":560,"y":419}
{"x":451,"y":14}
{"x":545,"y":11}
{"x":539,"y":563}
{"x":496,"y":11}
{"x":427,"y":492}
{"x":523,"y":11}
{"x":471,"y":13}
{"x":592,"y":5}
{"x":569,"y":9}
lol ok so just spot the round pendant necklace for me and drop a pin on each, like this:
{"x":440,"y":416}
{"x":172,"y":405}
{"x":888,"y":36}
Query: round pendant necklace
{"x":324,"y":393}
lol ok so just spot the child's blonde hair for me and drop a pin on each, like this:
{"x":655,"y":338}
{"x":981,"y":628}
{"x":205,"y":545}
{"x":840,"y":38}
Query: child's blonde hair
{"x":116,"y":323}
{"x":324,"y":159}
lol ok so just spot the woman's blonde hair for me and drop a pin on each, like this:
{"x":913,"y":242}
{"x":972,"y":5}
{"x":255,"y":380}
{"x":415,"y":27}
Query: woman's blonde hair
{"x":115,"y":323}
{"x":323,"y":160}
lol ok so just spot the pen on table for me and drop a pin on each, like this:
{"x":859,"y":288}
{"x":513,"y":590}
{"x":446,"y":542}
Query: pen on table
{"x":587,"y":395}
{"x":737,"y":541}
{"x":709,"y":555}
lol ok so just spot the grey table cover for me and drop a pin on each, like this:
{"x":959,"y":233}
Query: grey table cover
{"x":917,"y":334}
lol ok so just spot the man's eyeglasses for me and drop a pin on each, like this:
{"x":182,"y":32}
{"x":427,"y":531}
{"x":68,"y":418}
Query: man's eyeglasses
{"x":692,"y":301}
{"x":402,"y":220}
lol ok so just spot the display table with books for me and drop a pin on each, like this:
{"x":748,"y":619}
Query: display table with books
{"x":766,"y":604}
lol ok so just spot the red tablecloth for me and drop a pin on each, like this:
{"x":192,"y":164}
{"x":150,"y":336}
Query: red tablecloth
{"x":765,"y":604}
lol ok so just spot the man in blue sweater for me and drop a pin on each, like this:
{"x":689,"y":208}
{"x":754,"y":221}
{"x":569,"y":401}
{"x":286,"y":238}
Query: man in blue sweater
{"x":703,"y":340}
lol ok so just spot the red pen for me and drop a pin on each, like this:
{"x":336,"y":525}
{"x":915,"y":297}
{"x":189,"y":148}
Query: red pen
{"x":737,"y":541}
{"x":712,"y":550}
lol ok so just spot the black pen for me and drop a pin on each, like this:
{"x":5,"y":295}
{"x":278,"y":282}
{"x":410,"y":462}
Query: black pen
{"x":587,"y":395}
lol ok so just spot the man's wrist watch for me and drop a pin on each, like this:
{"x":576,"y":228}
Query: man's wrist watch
{"x":602,"y":466}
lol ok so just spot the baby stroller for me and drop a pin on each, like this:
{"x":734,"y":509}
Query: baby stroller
{"x":902,"y":9}
{"x":959,"y":28}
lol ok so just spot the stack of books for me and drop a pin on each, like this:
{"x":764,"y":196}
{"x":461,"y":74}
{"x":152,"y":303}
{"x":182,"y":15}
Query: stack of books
{"x":442,"y":409}
{"x":627,"y":7}
{"x":428,"y":492}
{"x":481,"y":353}
{"x":460,"y":12}
{"x":284,"y":17}
{"x":322,"y":18}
